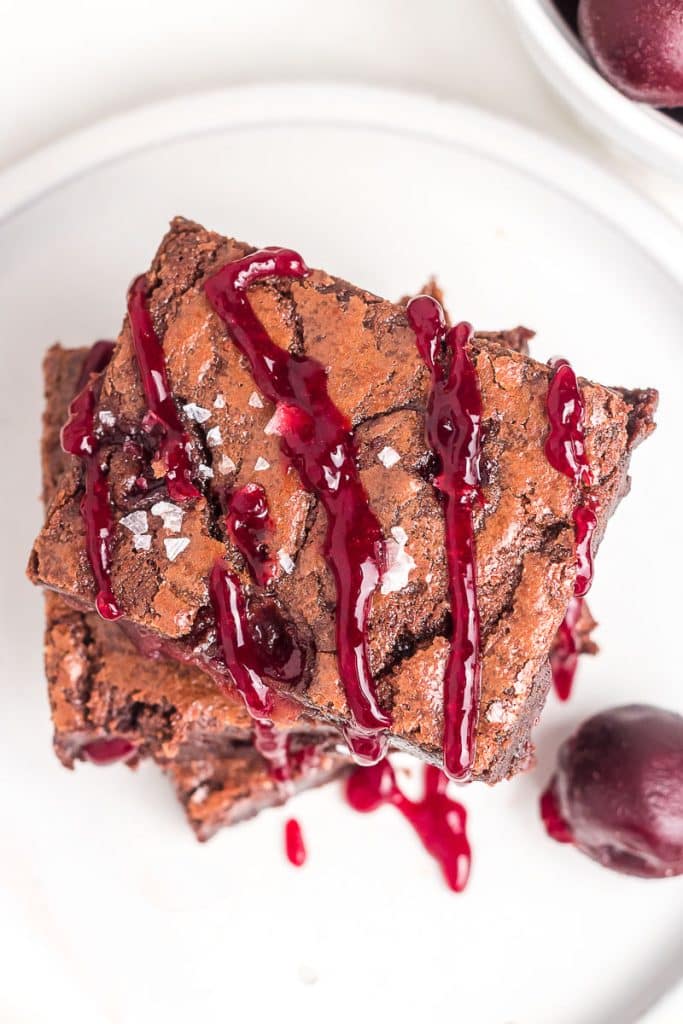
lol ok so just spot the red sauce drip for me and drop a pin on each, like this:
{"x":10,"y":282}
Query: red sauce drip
{"x":555,"y":825}
{"x":162,"y":412}
{"x":245,"y":663}
{"x":78,"y":438}
{"x":102,"y":752}
{"x":585,"y":521}
{"x":295,"y":848}
{"x":248,"y":523}
{"x":439,"y":821}
{"x":565,"y":445}
{"x":565,"y":449}
{"x":564,"y":656}
{"x":317,"y":440}
{"x":98,"y":359}
{"x":454,"y":434}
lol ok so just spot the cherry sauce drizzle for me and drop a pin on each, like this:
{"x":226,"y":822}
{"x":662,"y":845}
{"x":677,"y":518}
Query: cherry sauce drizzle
{"x":245,"y":663}
{"x":564,"y":656}
{"x":108,"y":751}
{"x":453,"y":423}
{"x":555,"y":825}
{"x":438,"y":820}
{"x":295,"y":848}
{"x":162,"y":412}
{"x":248,"y":521}
{"x":78,"y":438}
{"x":565,"y":450}
{"x":317,"y":440}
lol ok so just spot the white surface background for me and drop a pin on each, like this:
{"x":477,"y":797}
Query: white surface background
{"x":62,"y":67}
{"x":109,"y":909}
{"x":68,"y":63}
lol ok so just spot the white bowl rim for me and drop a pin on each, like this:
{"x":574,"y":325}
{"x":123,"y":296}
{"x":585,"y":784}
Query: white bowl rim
{"x":646,"y":131}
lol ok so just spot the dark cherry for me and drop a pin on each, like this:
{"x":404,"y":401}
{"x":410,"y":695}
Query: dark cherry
{"x":78,"y":438}
{"x":555,"y":825}
{"x":103,"y":752}
{"x":617,"y":794}
{"x":316,"y":438}
{"x":638,"y":46}
{"x":295,"y":848}
{"x":438,"y":820}
{"x":453,"y":424}
{"x":162,"y":413}
{"x":248,"y":521}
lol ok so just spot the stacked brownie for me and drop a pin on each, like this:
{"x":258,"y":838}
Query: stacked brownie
{"x":110,"y":702}
{"x":156,"y":679}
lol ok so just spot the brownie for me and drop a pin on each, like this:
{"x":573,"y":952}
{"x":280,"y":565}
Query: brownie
{"x":524,"y":528}
{"x":101,"y":688}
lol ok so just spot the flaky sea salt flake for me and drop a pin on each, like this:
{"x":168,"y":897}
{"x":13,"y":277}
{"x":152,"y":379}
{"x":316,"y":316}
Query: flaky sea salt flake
{"x":175,"y":546}
{"x":399,"y":563}
{"x":172,"y":515}
{"x":285,"y":560}
{"x":196,"y":412}
{"x":136,"y":522}
{"x":389,"y":457}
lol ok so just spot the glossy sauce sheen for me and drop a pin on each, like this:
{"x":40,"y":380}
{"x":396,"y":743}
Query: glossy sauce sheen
{"x":162,"y":413}
{"x":316,"y":438}
{"x":249,"y":522}
{"x":244,"y":661}
{"x":78,"y":438}
{"x":566,"y":452}
{"x":295,"y":848}
{"x":439,"y":821}
{"x":564,"y":655}
{"x":108,"y":751}
{"x":453,"y":423}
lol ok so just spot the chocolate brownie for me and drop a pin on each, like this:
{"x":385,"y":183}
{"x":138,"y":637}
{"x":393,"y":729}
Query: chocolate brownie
{"x":101,"y":689}
{"x":524,"y":528}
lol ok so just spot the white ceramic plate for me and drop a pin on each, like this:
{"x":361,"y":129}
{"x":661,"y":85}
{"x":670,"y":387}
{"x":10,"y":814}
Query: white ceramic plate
{"x":109,"y":907}
{"x":650,"y":135}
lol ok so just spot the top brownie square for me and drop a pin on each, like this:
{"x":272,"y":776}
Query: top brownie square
{"x":524,"y":528}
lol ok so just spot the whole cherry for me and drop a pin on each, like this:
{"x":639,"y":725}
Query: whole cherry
{"x":638,"y":46}
{"x":617,"y":794}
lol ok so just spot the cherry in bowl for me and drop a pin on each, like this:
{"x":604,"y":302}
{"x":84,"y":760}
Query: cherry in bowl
{"x":638,"y":46}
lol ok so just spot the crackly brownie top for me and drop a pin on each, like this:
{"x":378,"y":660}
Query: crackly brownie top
{"x":99,"y":684}
{"x":524,"y":528}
